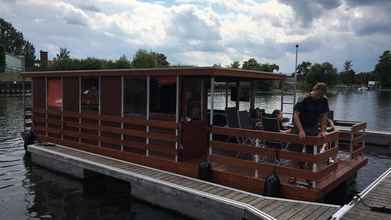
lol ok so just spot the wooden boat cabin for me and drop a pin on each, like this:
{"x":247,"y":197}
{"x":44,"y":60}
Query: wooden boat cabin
{"x":198,"y":122}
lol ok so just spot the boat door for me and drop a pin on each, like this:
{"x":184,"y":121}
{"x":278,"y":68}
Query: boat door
{"x":194,"y":122}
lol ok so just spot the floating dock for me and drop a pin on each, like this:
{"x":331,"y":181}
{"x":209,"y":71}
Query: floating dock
{"x":192,"y":197}
{"x":373,"y":203}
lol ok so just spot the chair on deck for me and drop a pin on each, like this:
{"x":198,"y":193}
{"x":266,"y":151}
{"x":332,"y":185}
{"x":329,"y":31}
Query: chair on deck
{"x":246,"y":122}
{"x":232,"y":117}
{"x":270,"y":124}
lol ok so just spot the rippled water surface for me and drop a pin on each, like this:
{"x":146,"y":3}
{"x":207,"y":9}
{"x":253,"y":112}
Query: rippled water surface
{"x":30,"y":192}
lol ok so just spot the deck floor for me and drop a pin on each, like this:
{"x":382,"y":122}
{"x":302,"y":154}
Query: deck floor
{"x":379,"y":196}
{"x":276,"y":208}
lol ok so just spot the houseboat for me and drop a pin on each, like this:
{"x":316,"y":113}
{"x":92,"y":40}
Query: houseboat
{"x":168,"y":119}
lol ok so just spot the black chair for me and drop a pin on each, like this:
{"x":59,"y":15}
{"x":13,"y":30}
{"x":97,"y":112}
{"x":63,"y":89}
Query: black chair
{"x":232,"y":117}
{"x":271,"y":124}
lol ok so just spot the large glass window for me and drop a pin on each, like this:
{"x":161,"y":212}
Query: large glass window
{"x":54,"y":93}
{"x":163,"y":95}
{"x":135,"y":102}
{"x":90,"y":94}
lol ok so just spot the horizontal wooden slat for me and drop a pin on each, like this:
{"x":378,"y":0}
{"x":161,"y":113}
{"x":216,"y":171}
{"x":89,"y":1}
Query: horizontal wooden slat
{"x":358,"y":127}
{"x":162,"y":148}
{"x":110,"y":140}
{"x":110,"y":129}
{"x":274,"y":136}
{"x":71,"y":134}
{"x":135,"y":133}
{"x":71,"y":124}
{"x":89,"y":126}
{"x":133,"y":120}
{"x":283,"y":154}
{"x":71,"y":114}
{"x":267,"y":168}
{"x":89,"y":137}
{"x":90,"y":115}
{"x":134,"y":144}
{"x":111,"y":118}
{"x":163,"y":124}
{"x":357,"y":152}
{"x":162,"y":136}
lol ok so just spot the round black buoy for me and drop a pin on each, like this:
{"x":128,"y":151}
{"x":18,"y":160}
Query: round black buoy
{"x":272,"y":185}
{"x":204,"y":170}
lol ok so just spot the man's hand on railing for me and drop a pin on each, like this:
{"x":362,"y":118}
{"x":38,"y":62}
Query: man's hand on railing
{"x":301,"y":134}
{"x":322,"y":134}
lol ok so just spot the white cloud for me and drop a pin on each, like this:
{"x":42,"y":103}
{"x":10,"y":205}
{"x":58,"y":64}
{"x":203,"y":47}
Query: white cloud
{"x":201,"y":32}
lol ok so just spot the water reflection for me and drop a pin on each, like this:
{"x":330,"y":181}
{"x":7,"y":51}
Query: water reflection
{"x":373,"y":107}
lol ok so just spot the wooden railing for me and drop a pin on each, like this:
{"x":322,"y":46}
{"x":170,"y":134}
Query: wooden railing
{"x":256,"y":146}
{"x":90,"y":129}
{"x":355,"y":138}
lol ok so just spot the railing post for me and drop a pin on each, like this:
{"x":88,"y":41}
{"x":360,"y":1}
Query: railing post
{"x":100,"y":109}
{"x":147,"y":116}
{"x":351,"y":144}
{"x":62,"y":109}
{"x":314,"y":165}
{"x":122,"y":111}
{"x":46,"y":107}
{"x":212,"y":88}
{"x":24,"y":107}
{"x":177,"y":119}
{"x":79,"y":115}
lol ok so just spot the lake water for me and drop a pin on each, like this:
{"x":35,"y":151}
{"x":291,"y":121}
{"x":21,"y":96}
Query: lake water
{"x":31,"y":192}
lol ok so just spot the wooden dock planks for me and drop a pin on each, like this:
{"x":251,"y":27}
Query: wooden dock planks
{"x":276,"y":208}
{"x":379,"y":196}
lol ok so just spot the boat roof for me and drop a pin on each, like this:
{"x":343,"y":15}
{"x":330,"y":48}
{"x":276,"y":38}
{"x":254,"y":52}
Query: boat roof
{"x":171,"y":71}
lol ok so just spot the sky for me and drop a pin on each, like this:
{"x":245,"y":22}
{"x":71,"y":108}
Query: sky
{"x":203,"y":33}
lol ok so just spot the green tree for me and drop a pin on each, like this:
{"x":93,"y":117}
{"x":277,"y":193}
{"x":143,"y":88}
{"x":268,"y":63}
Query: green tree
{"x":63,"y":61}
{"x":235,"y":65}
{"x":304,"y":68}
{"x":383,"y":69}
{"x":324,"y":72}
{"x":29,"y":52}
{"x":347,"y":76}
{"x":145,"y":59}
{"x":252,"y":64}
{"x":14,"y":43}
{"x":122,"y":63}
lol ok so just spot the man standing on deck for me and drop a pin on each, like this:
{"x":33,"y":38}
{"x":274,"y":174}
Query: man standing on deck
{"x":310,"y":114}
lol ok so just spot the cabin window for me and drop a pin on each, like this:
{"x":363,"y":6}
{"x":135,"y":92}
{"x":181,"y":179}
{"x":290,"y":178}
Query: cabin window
{"x":163,"y":94}
{"x":54,"y":96}
{"x":90,"y":94}
{"x":135,"y":102}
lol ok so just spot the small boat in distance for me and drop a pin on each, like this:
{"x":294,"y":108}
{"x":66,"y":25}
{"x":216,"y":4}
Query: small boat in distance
{"x":167,"y":119}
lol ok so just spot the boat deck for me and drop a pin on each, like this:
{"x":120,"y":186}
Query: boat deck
{"x":192,"y":197}
{"x":376,"y":195}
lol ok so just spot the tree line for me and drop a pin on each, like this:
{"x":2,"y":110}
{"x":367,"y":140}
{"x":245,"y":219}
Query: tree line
{"x":310,"y":73}
{"x":142,"y":59}
{"x":13,"y":42}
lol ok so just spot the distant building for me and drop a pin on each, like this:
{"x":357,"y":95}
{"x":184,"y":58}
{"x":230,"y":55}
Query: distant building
{"x":372,"y":84}
{"x":43,"y":61}
{"x":14,"y":64}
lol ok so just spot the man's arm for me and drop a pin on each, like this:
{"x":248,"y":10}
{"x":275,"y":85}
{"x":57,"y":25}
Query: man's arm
{"x":296,"y":117}
{"x":323,"y":122}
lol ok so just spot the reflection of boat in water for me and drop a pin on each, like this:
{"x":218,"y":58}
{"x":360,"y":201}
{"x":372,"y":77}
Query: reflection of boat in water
{"x":362,"y":89}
